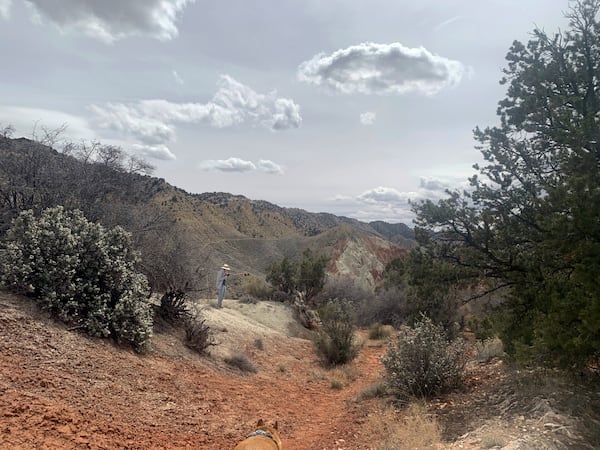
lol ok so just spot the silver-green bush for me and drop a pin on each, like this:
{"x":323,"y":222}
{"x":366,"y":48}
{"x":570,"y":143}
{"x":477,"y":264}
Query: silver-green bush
{"x":423,"y":363}
{"x":81,"y":272}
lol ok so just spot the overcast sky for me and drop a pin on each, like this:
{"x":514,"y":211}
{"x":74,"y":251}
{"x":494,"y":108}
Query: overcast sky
{"x":351,"y":107}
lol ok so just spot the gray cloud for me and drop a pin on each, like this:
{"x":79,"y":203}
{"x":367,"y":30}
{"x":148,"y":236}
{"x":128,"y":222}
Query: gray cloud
{"x":5,"y":8}
{"x":111,"y":20}
{"x":433,"y":184}
{"x":371,"y":68}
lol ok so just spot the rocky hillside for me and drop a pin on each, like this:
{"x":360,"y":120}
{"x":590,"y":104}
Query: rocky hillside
{"x":214,"y":227}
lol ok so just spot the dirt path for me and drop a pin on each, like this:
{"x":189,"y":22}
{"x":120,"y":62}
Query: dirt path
{"x":61,"y":390}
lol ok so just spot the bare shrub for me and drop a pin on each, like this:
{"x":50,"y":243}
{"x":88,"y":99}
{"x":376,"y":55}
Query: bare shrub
{"x":388,"y":307}
{"x":342,"y":288}
{"x":241,"y":362}
{"x":198,"y":335}
{"x":423,"y":363}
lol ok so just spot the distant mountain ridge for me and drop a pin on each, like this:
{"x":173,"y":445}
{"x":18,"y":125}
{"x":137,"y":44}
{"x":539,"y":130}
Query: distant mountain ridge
{"x":216,"y":227}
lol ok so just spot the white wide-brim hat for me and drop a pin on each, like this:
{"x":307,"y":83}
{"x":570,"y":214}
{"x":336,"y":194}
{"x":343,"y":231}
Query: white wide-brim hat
{"x":226,"y":267}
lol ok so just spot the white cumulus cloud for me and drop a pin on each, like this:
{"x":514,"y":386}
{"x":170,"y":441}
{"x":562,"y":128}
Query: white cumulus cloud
{"x":111,"y":20}
{"x":228,"y":165}
{"x":159,"y":151}
{"x":5,"y":8}
{"x":131,"y":121}
{"x":265,"y":165}
{"x":241,"y":165}
{"x":153,"y":122}
{"x":368,"y":118}
{"x":371,"y":68}
{"x":387,"y":195}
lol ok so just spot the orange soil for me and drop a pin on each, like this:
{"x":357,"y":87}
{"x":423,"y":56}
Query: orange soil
{"x":59,"y":389}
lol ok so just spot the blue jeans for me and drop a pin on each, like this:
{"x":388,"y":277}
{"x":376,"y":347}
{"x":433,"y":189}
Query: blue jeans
{"x":221,"y":295}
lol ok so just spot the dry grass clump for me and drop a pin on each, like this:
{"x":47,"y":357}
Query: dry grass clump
{"x":410,"y":429}
{"x":257,"y":288}
{"x":377,"y":389}
{"x":241,"y":362}
{"x":378,"y":331}
{"x":337,"y":385}
{"x":248,"y":299}
{"x":489,"y":349}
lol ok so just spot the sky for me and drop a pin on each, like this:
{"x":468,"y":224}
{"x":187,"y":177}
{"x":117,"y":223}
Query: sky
{"x":351,"y":107}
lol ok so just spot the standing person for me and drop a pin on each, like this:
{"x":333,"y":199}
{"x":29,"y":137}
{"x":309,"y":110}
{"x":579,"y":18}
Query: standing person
{"x":222,"y":284}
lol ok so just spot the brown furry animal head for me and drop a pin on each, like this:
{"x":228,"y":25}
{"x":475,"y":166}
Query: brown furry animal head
{"x":264,"y":438}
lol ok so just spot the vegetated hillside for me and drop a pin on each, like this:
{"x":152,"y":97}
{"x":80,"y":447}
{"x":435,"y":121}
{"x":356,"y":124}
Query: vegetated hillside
{"x":60,"y":389}
{"x":215,"y":227}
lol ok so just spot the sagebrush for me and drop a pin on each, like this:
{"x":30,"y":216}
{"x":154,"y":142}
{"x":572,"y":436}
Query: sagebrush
{"x":81,"y":272}
{"x":422,"y":362}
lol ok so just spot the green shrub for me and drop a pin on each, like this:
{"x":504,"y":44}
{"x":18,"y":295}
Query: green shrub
{"x":306,"y":275}
{"x":335,"y":340}
{"x":80,"y":272}
{"x":423,"y":363}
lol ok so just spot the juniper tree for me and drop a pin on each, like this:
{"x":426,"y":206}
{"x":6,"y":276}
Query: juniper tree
{"x":531,"y":219}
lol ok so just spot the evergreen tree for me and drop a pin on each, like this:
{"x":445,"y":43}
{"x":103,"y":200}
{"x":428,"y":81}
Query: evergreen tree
{"x":531,"y":220}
